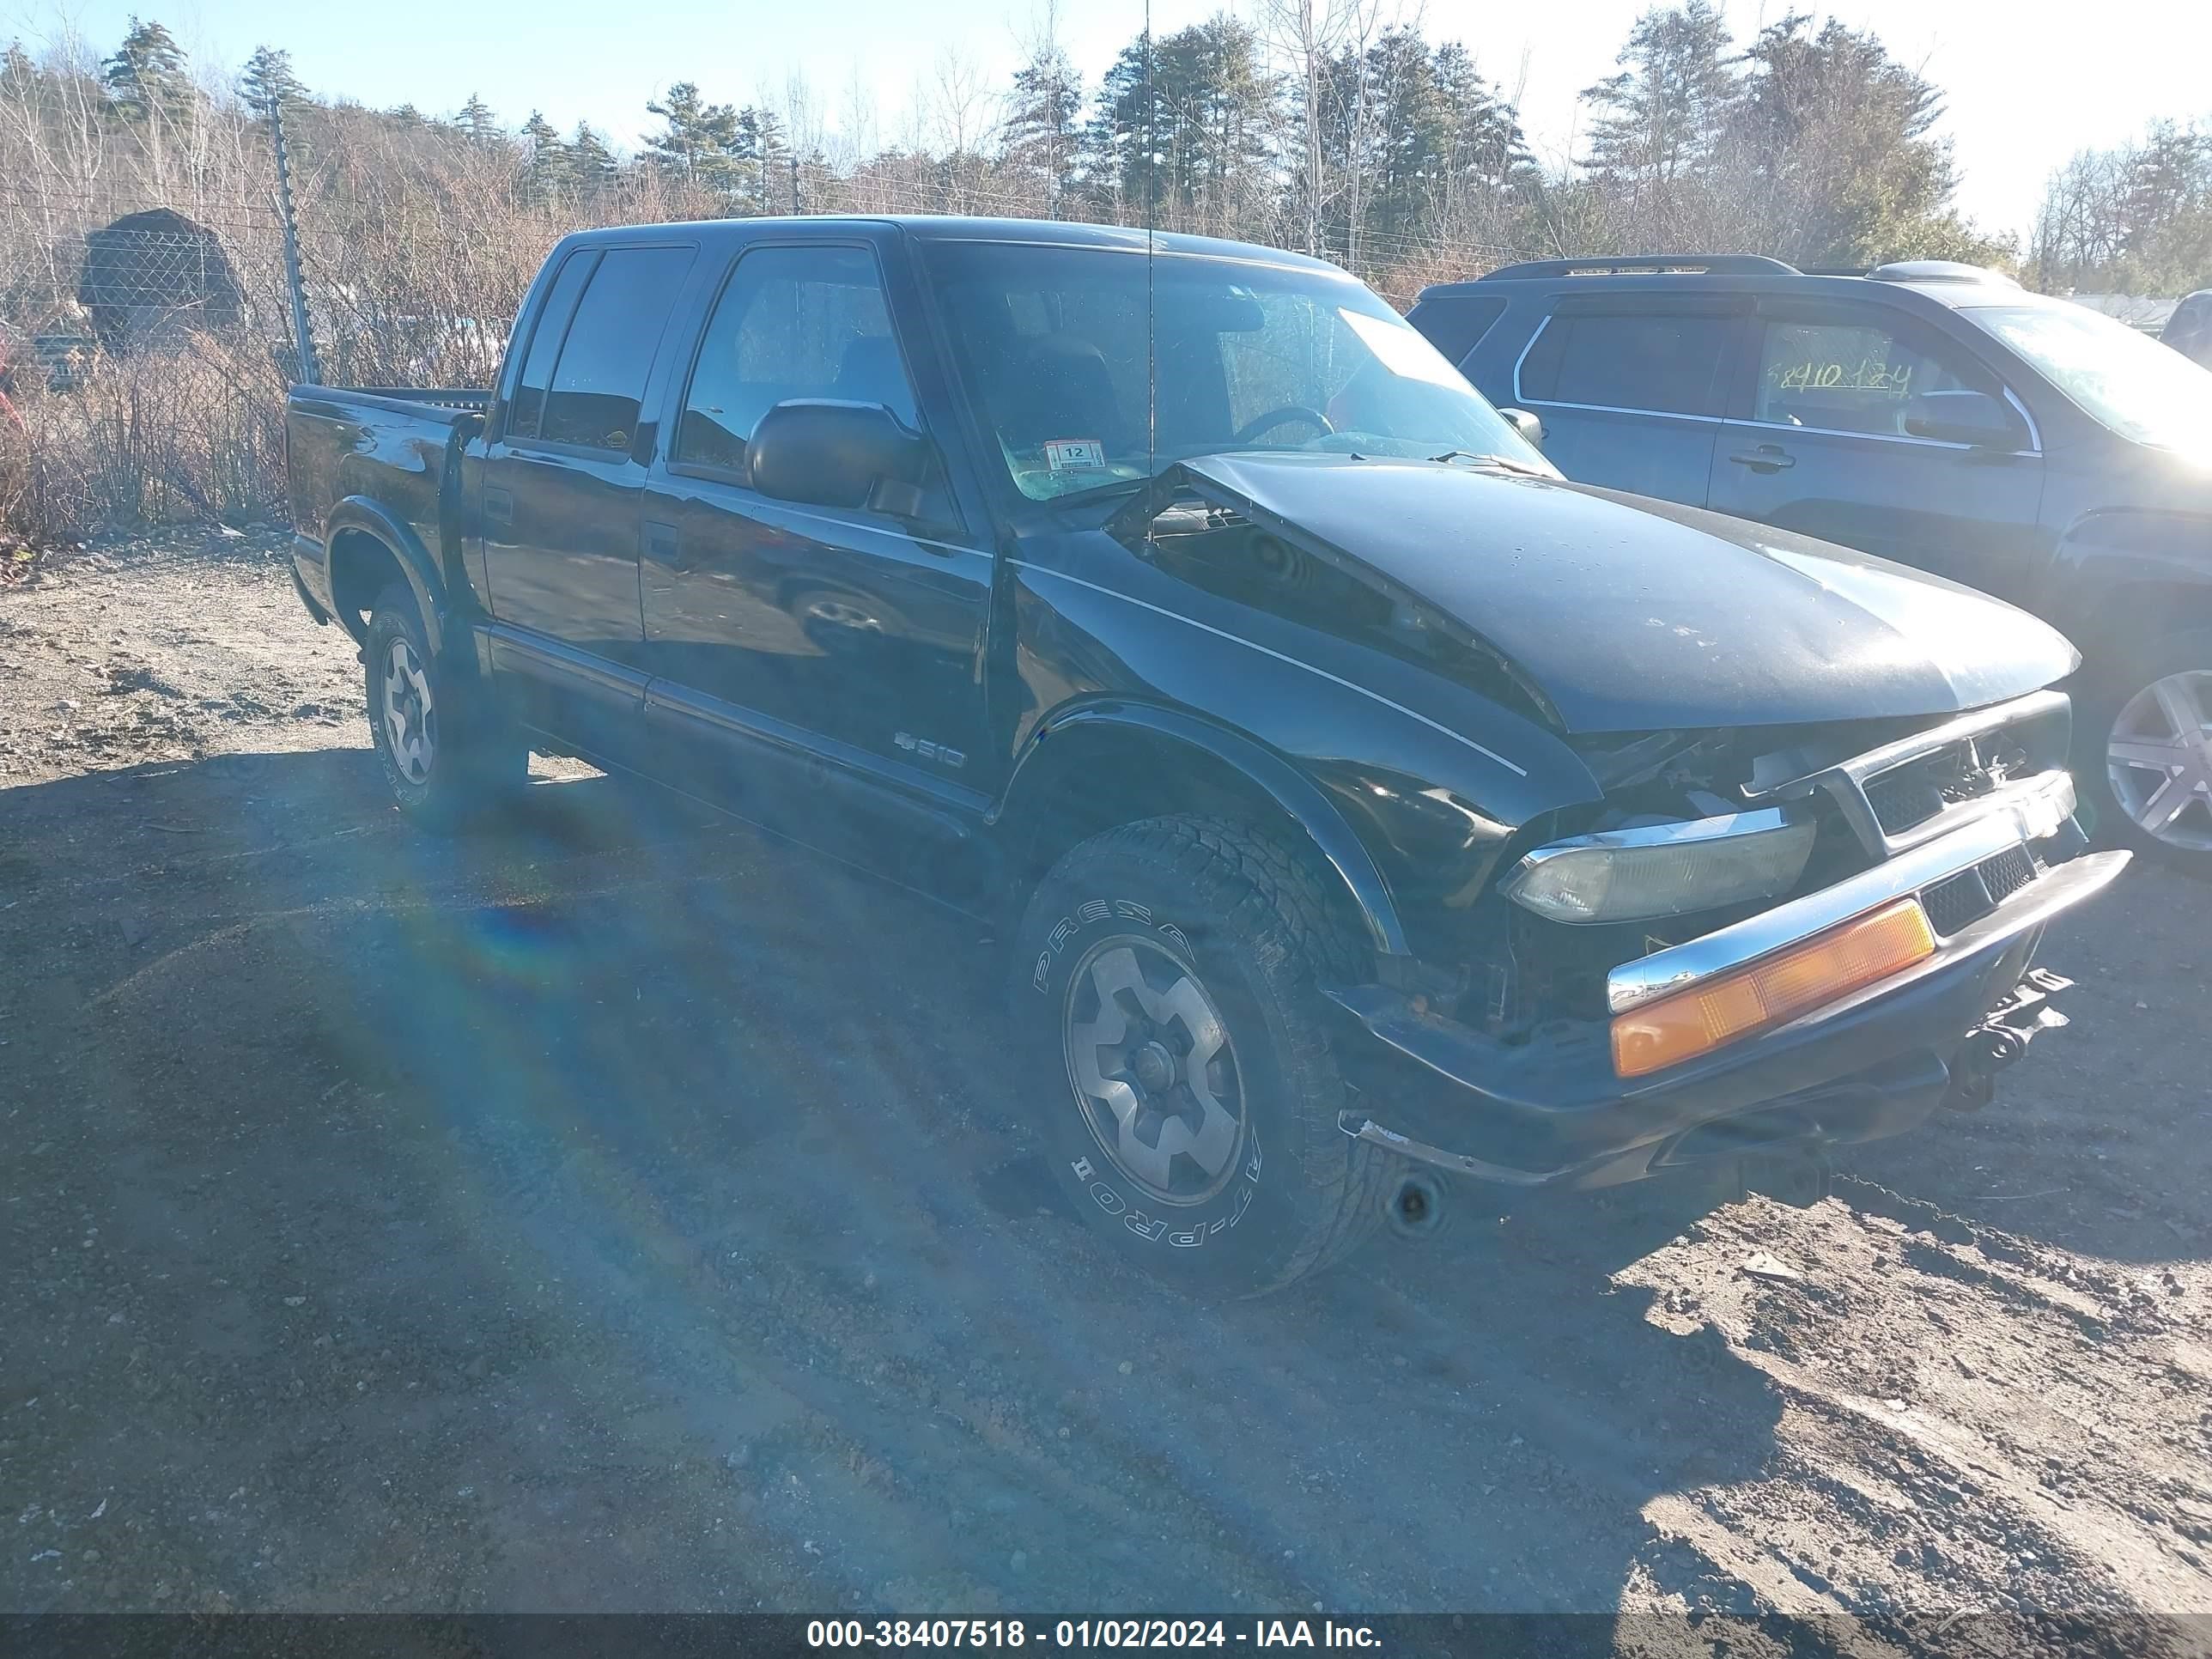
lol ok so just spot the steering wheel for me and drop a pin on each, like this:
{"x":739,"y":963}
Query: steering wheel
{"x":1275,"y":417}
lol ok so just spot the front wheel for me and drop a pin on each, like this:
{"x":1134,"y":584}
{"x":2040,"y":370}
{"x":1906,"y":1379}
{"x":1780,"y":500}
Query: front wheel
{"x":1176,"y":1057}
{"x":2146,"y":752}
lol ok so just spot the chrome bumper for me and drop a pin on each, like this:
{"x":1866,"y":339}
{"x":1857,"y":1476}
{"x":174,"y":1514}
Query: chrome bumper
{"x":2023,"y":816}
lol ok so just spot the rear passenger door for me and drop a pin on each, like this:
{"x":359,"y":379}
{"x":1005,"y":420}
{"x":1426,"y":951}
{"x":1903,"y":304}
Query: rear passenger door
{"x":560,"y":492}
{"x":1631,"y":389}
{"x":1818,"y":445}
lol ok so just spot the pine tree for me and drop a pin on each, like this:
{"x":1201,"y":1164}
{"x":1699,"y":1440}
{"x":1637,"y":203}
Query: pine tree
{"x":591,"y":163}
{"x":546,"y":172}
{"x":763,"y":155}
{"x":149,"y":73}
{"x":698,"y":141}
{"x":1043,"y":134}
{"x":478,"y":123}
{"x":1660,"y":119}
{"x":268,"y":79}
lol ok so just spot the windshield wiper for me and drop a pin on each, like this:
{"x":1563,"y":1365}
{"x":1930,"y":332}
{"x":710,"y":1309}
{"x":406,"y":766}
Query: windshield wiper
{"x":1505,"y":462}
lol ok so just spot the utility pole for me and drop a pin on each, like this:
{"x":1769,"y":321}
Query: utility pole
{"x":310,"y":373}
{"x":794,"y":182}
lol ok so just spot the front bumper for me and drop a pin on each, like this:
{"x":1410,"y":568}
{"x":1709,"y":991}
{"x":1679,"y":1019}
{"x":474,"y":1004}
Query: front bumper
{"x":1551,"y":1111}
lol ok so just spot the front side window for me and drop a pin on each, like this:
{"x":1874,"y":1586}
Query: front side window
{"x":600,"y":381}
{"x":1851,"y":374}
{"x":1670,"y":364}
{"x":1096,"y":366}
{"x":792,"y":322}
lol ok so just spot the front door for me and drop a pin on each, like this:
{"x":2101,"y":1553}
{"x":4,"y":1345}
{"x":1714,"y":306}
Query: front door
{"x":1818,"y":444}
{"x":559,"y":496}
{"x":793,"y":646}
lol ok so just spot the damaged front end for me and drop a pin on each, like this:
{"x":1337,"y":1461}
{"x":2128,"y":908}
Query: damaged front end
{"x":1879,"y":898}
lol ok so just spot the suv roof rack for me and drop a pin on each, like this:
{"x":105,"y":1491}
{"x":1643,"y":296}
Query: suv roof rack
{"x":1604,"y":264}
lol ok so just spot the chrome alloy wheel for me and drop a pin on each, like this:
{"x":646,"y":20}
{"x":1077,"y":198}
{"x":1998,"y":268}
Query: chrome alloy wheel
{"x":2159,"y":760}
{"x":1154,"y":1072}
{"x":410,"y":718}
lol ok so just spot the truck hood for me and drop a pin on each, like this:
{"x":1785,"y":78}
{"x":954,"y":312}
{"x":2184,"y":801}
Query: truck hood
{"x":1623,"y":613}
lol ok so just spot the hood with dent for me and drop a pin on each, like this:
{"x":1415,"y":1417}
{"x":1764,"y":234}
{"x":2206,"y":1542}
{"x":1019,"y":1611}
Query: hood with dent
{"x":1627,"y":614}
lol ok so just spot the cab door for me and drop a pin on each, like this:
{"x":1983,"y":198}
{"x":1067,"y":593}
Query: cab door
{"x":791,"y":644}
{"x":1817,"y":443}
{"x":559,"y":492}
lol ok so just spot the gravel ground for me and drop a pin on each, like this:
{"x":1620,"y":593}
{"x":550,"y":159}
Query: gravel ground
{"x":618,"y":1210}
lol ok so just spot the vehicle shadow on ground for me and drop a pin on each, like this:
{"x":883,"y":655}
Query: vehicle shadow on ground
{"x":636,"y":1207}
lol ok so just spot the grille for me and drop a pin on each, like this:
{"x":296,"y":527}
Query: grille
{"x":1903,"y":798}
{"x":1958,"y":901}
{"x":2007,"y":874}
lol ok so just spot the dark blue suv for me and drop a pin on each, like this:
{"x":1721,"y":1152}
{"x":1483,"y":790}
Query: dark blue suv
{"x":1936,"y":414}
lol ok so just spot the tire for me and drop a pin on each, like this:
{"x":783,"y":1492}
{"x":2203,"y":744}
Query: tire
{"x":447,"y":754}
{"x":1182,"y":954}
{"x":2136,"y":710}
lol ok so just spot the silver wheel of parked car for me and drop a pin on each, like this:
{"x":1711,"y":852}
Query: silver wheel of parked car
{"x":1154,"y":1072}
{"x":410,"y":713}
{"x":2158,"y":759}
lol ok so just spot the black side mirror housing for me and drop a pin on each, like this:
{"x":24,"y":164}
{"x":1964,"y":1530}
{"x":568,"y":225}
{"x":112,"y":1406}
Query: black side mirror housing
{"x":1526,"y":424}
{"x":1963,"y":417}
{"x":828,"y":452}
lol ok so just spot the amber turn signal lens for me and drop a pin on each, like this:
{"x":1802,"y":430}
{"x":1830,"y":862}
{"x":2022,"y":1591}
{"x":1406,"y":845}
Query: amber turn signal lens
{"x":1787,"y":984}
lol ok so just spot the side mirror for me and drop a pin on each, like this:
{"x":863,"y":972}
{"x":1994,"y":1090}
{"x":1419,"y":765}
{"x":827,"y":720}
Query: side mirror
{"x":1526,"y":424}
{"x":1963,"y":417}
{"x":826,"y":453}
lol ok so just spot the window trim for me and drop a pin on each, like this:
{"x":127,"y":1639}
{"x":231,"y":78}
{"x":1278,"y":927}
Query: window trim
{"x":1733,"y":315}
{"x":680,"y":402}
{"x":534,"y":445}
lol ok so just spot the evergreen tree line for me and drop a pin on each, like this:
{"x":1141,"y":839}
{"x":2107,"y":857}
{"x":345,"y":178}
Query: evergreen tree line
{"x":2135,"y":219}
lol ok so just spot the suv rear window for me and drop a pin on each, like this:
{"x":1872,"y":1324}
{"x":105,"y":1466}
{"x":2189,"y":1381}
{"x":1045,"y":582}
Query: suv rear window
{"x":1456,"y":324}
{"x":1676,"y":365}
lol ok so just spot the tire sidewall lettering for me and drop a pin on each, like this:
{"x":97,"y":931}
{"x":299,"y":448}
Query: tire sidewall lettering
{"x":1171,"y":1230}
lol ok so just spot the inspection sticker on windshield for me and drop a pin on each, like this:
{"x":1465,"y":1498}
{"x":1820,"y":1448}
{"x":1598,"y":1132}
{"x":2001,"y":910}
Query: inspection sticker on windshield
{"x":1075,"y":454}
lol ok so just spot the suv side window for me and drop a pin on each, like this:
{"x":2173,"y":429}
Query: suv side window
{"x":1852,"y":373}
{"x":1667,"y":363}
{"x":599,"y":380}
{"x":792,"y":322}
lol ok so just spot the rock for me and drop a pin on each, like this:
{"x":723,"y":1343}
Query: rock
{"x":1760,"y":1265}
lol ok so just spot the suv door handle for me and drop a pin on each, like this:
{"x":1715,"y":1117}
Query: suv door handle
{"x":498,"y":505}
{"x":664,"y":546}
{"x":1767,"y":458}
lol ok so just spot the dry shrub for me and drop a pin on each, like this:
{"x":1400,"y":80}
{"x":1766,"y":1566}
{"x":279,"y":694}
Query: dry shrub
{"x":192,"y":431}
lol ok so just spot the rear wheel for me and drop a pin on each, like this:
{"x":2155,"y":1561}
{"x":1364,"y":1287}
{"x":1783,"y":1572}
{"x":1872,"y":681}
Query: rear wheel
{"x":2146,"y":735}
{"x":446,"y":752}
{"x":1177,"y":1060}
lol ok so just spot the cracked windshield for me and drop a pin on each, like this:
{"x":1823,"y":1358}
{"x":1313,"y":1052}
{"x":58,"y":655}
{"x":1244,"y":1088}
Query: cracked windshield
{"x":1206,"y":825}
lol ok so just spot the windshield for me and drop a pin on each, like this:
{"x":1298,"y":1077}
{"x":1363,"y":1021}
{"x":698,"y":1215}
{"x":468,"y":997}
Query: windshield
{"x":1060,"y":357}
{"x":2139,"y":388}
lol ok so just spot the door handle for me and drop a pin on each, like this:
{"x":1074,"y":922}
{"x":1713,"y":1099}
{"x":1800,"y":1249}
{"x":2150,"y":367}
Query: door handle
{"x":664,"y":545}
{"x":498,"y":506}
{"x":1767,"y":458}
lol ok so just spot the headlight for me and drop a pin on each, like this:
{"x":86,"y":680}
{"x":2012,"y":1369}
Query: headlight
{"x":1665,"y":869}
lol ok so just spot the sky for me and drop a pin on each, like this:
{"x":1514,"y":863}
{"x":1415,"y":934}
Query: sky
{"x":2026,"y":86}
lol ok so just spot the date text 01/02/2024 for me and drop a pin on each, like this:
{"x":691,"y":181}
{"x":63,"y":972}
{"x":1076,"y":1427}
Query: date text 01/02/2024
{"x":826,"y":1633}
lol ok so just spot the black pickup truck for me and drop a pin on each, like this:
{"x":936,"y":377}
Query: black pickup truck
{"x":1359,"y":797}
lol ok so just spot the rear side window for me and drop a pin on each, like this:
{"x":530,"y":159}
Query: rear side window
{"x":545,"y":341}
{"x":1456,"y":324}
{"x":600,"y":380}
{"x":1676,"y":365}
